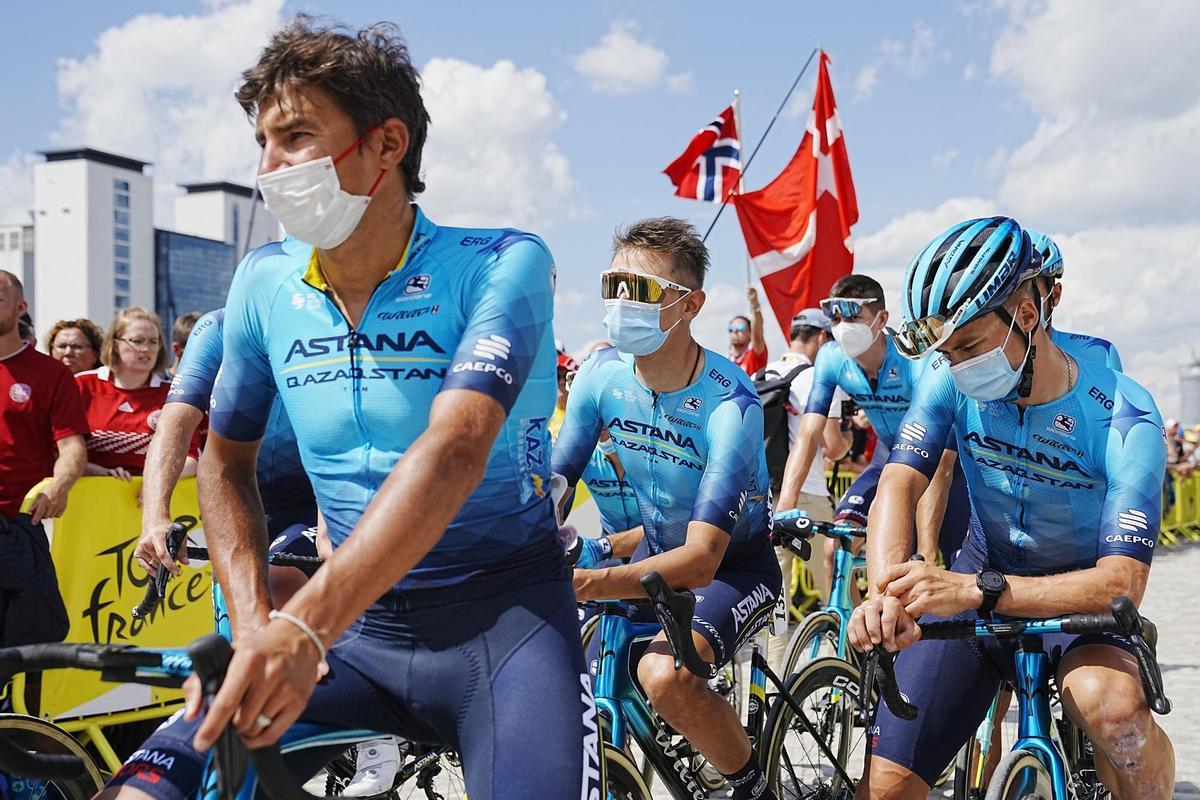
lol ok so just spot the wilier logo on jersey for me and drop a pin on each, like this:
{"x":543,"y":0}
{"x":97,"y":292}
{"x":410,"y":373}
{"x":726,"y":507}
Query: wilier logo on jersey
{"x":1064,"y":423}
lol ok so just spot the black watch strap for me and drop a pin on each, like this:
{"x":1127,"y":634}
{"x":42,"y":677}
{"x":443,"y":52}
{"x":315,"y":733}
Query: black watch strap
{"x":992,"y":584}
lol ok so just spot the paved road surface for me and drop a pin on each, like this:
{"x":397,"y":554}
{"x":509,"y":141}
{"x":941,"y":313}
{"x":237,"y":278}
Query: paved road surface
{"x":1171,"y":601}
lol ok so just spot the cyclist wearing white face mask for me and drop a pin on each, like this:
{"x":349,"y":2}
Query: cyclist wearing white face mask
{"x":864,"y":363}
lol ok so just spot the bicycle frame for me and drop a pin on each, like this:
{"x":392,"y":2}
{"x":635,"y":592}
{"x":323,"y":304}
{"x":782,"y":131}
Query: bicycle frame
{"x":840,"y":603}
{"x":1033,"y":710}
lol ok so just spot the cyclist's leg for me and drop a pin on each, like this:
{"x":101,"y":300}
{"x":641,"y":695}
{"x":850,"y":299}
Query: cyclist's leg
{"x":514,"y":698}
{"x":1102,"y":692}
{"x":952,"y":683}
{"x":729,"y":610}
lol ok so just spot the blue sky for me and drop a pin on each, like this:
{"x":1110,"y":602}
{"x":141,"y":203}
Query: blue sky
{"x":949,"y":110}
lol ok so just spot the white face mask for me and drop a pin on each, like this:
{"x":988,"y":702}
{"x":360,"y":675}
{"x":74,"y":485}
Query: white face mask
{"x":989,"y":376}
{"x":854,"y":337}
{"x":309,"y":202}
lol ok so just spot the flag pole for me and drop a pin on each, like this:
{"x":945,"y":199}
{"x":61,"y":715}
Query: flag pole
{"x":762,"y":138}
{"x":741,"y":187}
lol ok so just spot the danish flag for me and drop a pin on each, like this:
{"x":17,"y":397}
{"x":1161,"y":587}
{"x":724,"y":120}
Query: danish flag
{"x":797,"y":227}
{"x":711,"y":166}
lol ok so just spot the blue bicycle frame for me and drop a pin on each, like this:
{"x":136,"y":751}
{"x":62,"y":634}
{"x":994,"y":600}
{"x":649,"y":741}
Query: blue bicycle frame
{"x":840,"y":604}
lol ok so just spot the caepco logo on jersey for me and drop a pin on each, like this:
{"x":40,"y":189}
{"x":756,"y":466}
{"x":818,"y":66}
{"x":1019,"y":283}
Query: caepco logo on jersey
{"x":493,"y":348}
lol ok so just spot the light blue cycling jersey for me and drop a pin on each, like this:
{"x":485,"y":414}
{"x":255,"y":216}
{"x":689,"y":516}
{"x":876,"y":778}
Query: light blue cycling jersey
{"x":615,"y":499}
{"x":464,"y":309}
{"x":1082,"y":347}
{"x":885,"y":403}
{"x":695,"y":454}
{"x":282,"y":482}
{"x":1054,"y":487}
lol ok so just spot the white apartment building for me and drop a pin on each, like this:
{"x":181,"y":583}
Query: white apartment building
{"x":223,"y":211}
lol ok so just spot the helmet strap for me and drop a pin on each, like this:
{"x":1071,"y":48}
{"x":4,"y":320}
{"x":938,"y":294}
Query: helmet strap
{"x":1025,"y":386}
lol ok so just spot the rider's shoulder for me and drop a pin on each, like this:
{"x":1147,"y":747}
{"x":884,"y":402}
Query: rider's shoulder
{"x":1114,"y":397}
{"x":483,"y":246}
{"x":604,"y":362}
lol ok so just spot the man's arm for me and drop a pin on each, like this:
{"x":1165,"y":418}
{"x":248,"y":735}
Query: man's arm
{"x":836,"y":443}
{"x":800,"y":458}
{"x":165,"y":460}
{"x":931,"y":508}
{"x":408,"y":514}
{"x":624,"y":543}
{"x":758,"y":342}
{"x":235,"y":529}
{"x":891,"y":520}
{"x":690,"y":566}
{"x":68,"y":467}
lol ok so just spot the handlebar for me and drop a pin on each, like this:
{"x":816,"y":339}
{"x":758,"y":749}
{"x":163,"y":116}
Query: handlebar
{"x":1123,"y":619}
{"x":176,"y":540}
{"x":674,"y":611}
{"x":794,"y":533}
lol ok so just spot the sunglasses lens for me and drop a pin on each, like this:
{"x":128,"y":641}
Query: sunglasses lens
{"x":917,"y":337}
{"x":835,"y":307}
{"x":630,"y":286}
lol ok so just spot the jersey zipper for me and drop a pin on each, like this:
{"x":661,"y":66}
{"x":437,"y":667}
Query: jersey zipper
{"x":356,"y":378}
{"x":652,"y":463}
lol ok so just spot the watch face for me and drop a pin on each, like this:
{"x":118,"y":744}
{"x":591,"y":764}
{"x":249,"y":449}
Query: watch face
{"x":991,"y":581}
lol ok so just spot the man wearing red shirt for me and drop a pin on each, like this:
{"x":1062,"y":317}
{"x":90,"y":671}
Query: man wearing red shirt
{"x":747,"y":347}
{"x":42,"y":426}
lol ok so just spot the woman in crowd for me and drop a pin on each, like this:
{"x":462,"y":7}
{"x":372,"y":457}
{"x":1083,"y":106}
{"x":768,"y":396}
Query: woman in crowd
{"x":124,"y":397}
{"x":76,"y":343}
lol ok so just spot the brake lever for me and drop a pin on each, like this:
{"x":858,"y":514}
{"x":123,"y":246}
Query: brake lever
{"x":210,"y":659}
{"x":157,"y":588}
{"x":1130,"y":623}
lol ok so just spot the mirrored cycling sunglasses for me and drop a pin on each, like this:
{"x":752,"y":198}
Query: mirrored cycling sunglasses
{"x":917,"y":338}
{"x":619,"y":285}
{"x":845,"y":307}
{"x":740,"y":327}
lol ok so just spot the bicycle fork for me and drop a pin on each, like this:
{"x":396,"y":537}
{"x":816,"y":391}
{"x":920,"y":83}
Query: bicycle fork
{"x":1033,"y":711}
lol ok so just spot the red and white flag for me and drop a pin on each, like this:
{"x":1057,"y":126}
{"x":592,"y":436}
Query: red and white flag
{"x":797,"y":227}
{"x":711,"y":165}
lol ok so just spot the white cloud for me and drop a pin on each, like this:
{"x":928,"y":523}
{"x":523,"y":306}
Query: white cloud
{"x":910,"y":57}
{"x":970,"y":71}
{"x":621,"y":63}
{"x":942,"y":161}
{"x":490,"y":158}
{"x":681,"y":83}
{"x":141,"y":93}
{"x":16,"y":188}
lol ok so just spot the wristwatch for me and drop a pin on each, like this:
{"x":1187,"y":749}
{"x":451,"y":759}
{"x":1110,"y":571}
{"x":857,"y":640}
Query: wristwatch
{"x":992,"y":584}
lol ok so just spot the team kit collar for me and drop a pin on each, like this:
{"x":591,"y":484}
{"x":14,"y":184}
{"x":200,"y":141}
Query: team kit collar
{"x":105,"y":374}
{"x":423,"y":230}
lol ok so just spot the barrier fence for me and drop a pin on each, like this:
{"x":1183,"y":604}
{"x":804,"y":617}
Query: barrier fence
{"x":92,"y":546}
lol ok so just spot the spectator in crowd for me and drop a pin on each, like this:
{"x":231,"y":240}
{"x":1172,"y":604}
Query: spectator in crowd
{"x":26,"y":331}
{"x":42,"y":430}
{"x":76,"y":343}
{"x":747,"y":347}
{"x":124,"y":398}
{"x":566,"y":366}
{"x":180,"y":332}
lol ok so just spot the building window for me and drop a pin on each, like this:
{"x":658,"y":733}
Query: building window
{"x":121,"y":234}
{"x":121,"y":284}
{"x":14,"y":241}
{"x":121,"y":217}
{"x":121,"y":267}
{"x":121,"y":250}
{"x":120,"y":186}
{"x":121,"y":200}
{"x":121,"y":301}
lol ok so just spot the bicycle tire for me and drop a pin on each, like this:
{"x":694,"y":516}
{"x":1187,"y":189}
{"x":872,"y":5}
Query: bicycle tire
{"x":42,"y":736}
{"x":823,"y":624}
{"x":1011,"y":780}
{"x":832,"y":685}
{"x":622,"y":779}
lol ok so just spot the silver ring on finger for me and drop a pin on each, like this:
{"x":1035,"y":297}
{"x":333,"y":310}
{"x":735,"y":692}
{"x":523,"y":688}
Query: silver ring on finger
{"x":263,"y":721}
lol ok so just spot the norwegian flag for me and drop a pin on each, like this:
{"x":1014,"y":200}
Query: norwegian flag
{"x":711,"y":165}
{"x":797,"y":227}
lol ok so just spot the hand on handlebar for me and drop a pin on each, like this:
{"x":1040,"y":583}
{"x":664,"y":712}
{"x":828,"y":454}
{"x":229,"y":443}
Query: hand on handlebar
{"x":151,"y":551}
{"x":882,"y":620}
{"x":273,"y":672}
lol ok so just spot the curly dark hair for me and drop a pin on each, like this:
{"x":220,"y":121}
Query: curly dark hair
{"x":368,"y":73}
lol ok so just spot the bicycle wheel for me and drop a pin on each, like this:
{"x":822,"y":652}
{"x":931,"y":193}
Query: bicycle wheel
{"x":621,"y":776}
{"x":40,"y":736}
{"x":826,"y":691}
{"x":1020,"y":775}
{"x":1081,"y":762}
{"x":816,"y":637}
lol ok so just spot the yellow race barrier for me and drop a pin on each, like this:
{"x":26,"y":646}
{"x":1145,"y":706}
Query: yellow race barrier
{"x":92,"y":547}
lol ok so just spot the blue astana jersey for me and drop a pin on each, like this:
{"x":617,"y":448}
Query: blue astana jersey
{"x":1082,"y":347}
{"x":282,"y":482}
{"x":464,"y":309}
{"x":1056,"y":486}
{"x":615,"y":498}
{"x":885,"y":402}
{"x":695,"y":454}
